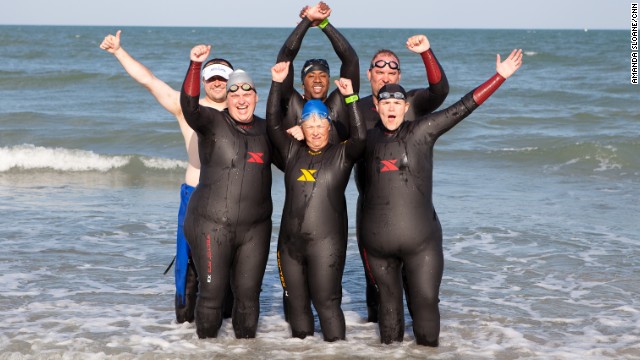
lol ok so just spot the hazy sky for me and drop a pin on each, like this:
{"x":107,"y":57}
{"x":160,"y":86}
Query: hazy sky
{"x":482,"y":14}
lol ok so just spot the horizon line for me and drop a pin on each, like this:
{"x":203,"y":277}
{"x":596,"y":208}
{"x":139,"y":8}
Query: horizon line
{"x":286,"y":27}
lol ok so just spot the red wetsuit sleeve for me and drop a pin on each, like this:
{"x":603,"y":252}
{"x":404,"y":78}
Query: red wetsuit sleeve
{"x":192,"y":81}
{"x":482,"y":92}
{"x":433,"y":69}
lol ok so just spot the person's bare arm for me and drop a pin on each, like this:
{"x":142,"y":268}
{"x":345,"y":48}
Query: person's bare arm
{"x":168,"y":97}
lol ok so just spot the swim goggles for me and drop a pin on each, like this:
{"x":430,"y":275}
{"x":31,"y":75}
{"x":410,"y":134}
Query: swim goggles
{"x":246,"y":87}
{"x":321,"y":115}
{"x":393,"y":65}
{"x":388,"y":95}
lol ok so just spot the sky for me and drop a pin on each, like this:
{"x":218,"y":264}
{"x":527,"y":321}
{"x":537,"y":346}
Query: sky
{"x":429,"y":14}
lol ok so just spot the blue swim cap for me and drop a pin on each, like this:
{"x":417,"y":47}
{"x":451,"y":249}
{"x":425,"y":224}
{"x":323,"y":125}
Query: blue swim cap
{"x":317,"y":107}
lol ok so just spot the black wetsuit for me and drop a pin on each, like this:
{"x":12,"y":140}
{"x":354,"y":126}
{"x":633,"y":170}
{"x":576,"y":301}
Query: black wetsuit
{"x":228,"y":220}
{"x":399,"y":226}
{"x":292,"y":101}
{"x":422,"y":102}
{"x":313,"y":235}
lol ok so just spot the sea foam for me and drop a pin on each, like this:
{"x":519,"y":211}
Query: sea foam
{"x":29,"y":157}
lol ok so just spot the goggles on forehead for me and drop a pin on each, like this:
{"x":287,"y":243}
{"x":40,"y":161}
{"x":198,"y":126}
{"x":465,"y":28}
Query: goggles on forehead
{"x":388,"y":95}
{"x":246,"y":87}
{"x":393,"y":65}
{"x":320,"y":115}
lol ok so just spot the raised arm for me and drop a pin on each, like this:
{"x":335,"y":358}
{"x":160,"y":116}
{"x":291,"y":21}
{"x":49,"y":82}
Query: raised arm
{"x":277,"y":132}
{"x":164,"y":94}
{"x":426,"y":100}
{"x":350,"y":67}
{"x":356,"y":142}
{"x":440,"y":122}
{"x":504,"y":70}
{"x":190,"y":92}
{"x":288,"y":53}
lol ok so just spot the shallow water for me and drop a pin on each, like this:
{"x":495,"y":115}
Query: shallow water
{"x":536,"y":191}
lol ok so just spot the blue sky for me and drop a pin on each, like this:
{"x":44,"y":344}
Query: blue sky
{"x":443,"y":14}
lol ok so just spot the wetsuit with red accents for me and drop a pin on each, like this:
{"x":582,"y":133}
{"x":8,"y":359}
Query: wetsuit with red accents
{"x":399,"y":226}
{"x":313,"y":235}
{"x":421,"y":102}
{"x":292,"y":101}
{"x":228,"y":219}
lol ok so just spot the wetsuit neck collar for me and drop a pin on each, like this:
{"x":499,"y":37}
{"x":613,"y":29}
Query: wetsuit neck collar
{"x":242,"y":124}
{"x":388,"y":132}
{"x":318,"y":152}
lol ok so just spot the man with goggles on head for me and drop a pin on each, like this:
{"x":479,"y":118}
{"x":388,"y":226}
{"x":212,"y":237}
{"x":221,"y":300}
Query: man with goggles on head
{"x":214,"y":79}
{"x":228,"y":219}
{"x":385,"y":69}
{"x":398,"y":227}
{"x":315,"y":73}
{"x":312,"y":243}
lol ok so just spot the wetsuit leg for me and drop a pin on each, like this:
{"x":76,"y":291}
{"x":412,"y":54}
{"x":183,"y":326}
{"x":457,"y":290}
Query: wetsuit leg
{"x":405,"y":285}
{"x":249,"y":264}
{"x":387,"y":272}
{"x":185,"y":273}
{"x":227,"y":308}
{"x":326,"y":266}
{"x":185,"y":279}
{"x":424,"y":274}
{"x":372,"y":296}
{"x":371,"y":292}
{"x":185,"y":311}
{"x":212,"y":255}
{"x":294,"y":280}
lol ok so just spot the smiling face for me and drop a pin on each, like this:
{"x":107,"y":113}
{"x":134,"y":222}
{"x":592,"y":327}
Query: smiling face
{"x":316,"y":85}
{"x":378,"y":77}
{"x":316,"y":132}
{"x":241,"y":104}
{"x":215,"y":89}
{"x":392,"y":112}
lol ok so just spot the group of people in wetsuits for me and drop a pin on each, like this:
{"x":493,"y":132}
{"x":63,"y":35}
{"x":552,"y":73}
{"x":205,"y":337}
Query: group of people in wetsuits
{"x":315,"y":138}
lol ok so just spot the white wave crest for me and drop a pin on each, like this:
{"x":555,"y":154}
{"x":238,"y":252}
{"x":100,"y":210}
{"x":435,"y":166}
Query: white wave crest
{"x":163,"y":164}
{"x":29,"y":156}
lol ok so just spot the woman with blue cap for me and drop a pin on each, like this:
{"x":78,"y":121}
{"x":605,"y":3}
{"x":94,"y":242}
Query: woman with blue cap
{"x":313,"y":235}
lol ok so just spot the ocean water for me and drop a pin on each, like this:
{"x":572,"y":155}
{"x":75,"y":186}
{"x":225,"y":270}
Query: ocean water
{"x":537,"y":192}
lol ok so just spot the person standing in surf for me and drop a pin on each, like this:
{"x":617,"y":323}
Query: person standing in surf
{"x":312,"y":243}
{"x":228,"y":220}
{"x":385,"y":69}
{"x":399,"y":227}
{"x":214,"y":79}
{"x":315,"y":77}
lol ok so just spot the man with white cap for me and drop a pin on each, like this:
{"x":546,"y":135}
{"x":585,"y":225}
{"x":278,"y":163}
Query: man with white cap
{"x":228,"y":219}
{"x":214,"y":79}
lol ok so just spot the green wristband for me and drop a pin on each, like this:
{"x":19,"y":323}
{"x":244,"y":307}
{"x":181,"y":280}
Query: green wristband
{"x":350,"y":99}
{"x":324,"y":23}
